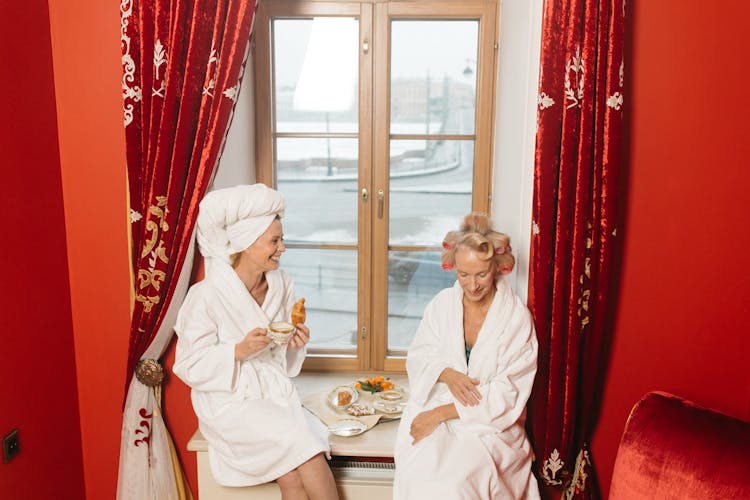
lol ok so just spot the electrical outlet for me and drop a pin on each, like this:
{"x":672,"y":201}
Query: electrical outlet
{"x":10,"y":445}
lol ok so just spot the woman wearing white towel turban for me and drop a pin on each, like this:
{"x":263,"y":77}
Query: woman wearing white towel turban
{"x":247,"y":406}
{"x":471,"y":366}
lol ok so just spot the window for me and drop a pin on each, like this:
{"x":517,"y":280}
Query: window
{"x":367,"y":120}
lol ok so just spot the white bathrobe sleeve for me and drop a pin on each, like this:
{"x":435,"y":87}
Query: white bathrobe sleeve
{"x":504,"y":395}
{"x":202,"y":360}
{"x":426,"y":360}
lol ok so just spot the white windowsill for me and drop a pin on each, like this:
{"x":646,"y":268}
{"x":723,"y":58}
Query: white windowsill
{"x":377,"y":442}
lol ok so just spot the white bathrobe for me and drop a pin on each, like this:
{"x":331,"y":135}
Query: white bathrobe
{"x":484,"y":454}
{"x":249,"y":412}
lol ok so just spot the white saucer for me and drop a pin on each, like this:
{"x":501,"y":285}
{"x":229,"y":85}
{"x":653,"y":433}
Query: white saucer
{"x":391,"y":409}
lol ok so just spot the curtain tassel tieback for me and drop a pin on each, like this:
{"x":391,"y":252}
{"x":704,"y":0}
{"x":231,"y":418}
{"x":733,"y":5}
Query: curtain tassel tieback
{"x":149,"y":372}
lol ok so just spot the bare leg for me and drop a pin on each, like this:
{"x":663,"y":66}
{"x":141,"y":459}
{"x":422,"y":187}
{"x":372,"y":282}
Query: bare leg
{"x":317,"y":478}
{"x":291,"y":486}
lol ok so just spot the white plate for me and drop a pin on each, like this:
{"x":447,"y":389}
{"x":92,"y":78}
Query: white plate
{"x":347,"y":427}
{"x":333,"y":396}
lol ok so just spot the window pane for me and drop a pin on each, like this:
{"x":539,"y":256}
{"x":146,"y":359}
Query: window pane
{"x":433,"y":77}
{"x":318,"y":178}
{"x":315,"y":74}
{"x":413,"y":280}
{"x":430,"y":189}
{"x":327,"y":279}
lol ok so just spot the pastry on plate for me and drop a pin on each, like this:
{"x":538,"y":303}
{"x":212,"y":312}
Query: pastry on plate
{"x":344,"y":398}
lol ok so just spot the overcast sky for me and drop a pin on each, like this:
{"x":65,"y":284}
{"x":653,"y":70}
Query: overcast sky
{"x":442,"y":47}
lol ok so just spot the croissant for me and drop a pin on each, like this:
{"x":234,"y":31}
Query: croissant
{"x":298,"y":312}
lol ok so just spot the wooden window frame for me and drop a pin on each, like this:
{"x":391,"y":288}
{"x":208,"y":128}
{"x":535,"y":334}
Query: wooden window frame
{"x":374,"y":136}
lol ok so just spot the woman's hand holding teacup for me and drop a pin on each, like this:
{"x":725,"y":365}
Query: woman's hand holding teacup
{"x":253,"y":343}
{"x":301,"y":337}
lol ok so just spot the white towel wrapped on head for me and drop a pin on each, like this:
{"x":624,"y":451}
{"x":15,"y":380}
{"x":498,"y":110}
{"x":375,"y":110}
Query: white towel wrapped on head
{"x":232,"y":219}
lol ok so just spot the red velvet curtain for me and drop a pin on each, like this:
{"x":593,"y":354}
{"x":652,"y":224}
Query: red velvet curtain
{"x":183,"y":62}
{"x":577,"y":165}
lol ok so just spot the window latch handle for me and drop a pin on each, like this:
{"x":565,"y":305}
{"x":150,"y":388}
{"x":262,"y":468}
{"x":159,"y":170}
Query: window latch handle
{"x":365,"y":195}
{"x":381,"y":195}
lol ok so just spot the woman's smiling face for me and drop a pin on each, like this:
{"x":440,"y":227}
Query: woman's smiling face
{"x":476,"y":276}
{"x":267,"y":249}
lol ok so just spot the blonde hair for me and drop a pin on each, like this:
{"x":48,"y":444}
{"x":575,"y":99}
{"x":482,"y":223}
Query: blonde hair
{"x":476,"y":233}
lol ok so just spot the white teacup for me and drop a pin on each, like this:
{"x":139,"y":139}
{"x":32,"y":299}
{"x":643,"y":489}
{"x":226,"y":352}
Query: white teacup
{"x":281,"y":332}
{"x":391,"y":399}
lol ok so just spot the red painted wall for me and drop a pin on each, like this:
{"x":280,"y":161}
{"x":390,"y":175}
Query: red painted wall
{"x":684,"y":301}
{"x":38,"y":393}
{"x":178,"y":410}
{"x":88,"y":79}
{"x":181,"y":419}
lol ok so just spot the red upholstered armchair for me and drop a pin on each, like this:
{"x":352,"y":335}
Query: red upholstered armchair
{"x":675,"y":449}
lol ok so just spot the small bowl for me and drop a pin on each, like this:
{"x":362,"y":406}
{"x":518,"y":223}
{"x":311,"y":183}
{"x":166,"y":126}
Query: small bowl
{"x":281,"y":332}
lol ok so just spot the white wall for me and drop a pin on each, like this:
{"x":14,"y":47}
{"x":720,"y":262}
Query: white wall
{"x":237,"y":163}
{"x":515,"y":129}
